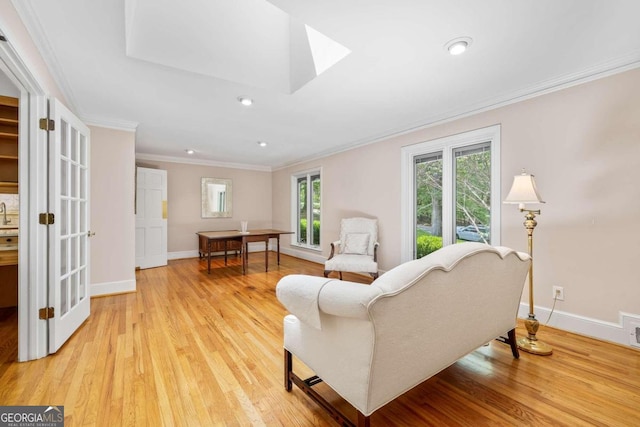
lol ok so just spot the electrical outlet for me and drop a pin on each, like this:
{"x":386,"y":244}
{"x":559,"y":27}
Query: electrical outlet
{"x":558,"y":293}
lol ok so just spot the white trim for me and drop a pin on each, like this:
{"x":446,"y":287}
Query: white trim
{"x":606,"y":69}
{"x":304,"y":254}
{"x":116,"y":124}
{"x":600,"y":329}
{"x":203,"y":162}
{"x":32,"y":155}
{"x":108,"y":288}
{"x":183,"y":255}
{"x":446,"y":145}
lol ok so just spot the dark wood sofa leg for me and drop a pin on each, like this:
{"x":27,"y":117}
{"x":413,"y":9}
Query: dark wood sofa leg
{"x":288,"y":368}
{"x":362,"y":420}
{"x":513,"y":344}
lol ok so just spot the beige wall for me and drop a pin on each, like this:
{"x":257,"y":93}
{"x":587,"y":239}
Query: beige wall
{"x":251,"y":201}
{"x":583,"y":145}
{"x":112,"y":171}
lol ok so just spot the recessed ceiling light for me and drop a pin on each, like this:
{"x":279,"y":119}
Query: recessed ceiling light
{"x":458,"y":46}
{"x":245,"y":101}
{"x":189,"y":151}
{"x":262,"y":143}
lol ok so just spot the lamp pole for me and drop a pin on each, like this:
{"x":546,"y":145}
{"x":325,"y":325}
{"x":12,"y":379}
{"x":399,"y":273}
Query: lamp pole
{"x":530,"y":343}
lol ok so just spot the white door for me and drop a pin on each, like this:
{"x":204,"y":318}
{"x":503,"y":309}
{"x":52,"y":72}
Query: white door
{"x":151,"y":217}
{"x":69,"y":233}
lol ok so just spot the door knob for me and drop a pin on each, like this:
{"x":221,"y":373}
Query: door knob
{"x":90,"y":233}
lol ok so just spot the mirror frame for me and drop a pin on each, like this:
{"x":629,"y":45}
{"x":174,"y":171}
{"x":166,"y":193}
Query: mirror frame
{"x":208,"y":210}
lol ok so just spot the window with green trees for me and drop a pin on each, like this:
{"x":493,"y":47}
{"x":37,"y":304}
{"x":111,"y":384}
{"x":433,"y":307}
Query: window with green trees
{"x":307,"y":209}
{"x":452,"y":185}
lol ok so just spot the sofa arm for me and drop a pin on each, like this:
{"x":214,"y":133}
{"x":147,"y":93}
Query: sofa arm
{"x":334,"y":245}
{"x":347,"y":299}
{"x":305,"y":296}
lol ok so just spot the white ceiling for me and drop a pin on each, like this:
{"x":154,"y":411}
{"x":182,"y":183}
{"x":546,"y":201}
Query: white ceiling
{"x":175,"y":68}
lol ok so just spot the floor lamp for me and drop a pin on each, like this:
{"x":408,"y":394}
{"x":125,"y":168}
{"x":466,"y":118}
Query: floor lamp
{"x":524,"y":191}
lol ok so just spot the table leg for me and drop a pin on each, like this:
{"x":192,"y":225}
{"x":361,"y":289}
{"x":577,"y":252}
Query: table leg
{"x":278,"y":247}
{"x":225,"y":252}
{"x":208,"y":256}
{"x":266,"y":254}
{"x":245,"y":256}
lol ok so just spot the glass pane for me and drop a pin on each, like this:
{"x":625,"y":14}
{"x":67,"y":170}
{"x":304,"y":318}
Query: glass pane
{"x":83,"y":183}
{"x":73,"y":178}
{"x":74,"y":144}
{"x":83,"y":150}
{"x":64,"y":177}
{"x":73,"y":253}
{"x":64,"y":138}
{"x":73,"y":220}
{"x":73,"y":291}
{"x":83,"y":257}
{"x":64,"y":217}
{"x":315,"y":197}
{"x":64,"y":257}
{"x":473,"y":193}
{"x":302,"y":210}
{"x":428,"y":203}
{"x":82,"y":286}
{"x":64,"y":307}
{"x":83,"y":217}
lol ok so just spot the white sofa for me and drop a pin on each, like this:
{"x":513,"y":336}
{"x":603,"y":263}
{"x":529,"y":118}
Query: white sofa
{"x":372,"y":343}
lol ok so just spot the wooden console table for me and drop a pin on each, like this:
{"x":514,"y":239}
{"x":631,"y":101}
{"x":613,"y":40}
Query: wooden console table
{"x":244,"y":238}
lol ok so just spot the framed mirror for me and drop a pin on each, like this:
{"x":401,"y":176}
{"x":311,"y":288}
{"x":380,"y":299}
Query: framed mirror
{"x":217,"y":198}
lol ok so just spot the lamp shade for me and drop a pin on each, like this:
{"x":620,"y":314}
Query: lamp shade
{"x":523,"y":190}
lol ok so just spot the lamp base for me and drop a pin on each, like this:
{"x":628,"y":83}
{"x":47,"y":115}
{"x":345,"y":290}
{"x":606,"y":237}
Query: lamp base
{"x":534,"y":346}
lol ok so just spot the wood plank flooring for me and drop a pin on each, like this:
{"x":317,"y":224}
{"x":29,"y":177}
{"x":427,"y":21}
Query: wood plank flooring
{"x":189,"y":349}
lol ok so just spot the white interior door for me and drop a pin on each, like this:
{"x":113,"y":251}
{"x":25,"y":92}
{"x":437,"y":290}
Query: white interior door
{"x":151,"y":217}
{"x":69,"y":234}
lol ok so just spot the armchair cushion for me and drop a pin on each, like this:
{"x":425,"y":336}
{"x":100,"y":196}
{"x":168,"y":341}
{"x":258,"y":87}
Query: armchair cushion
{"x":356,"y":243}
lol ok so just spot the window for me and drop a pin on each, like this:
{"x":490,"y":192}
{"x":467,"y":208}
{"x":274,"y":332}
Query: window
{"x":306,"y":209}
{"x":449,"y":187}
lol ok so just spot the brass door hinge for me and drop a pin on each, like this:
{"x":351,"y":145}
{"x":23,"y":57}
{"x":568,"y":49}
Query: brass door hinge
{"x":47,"y":124}
{"x":46,"y":313}
{"x":47,"y":218}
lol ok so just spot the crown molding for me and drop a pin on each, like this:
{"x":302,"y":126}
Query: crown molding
{"x":34,"y":28}
{"x":116,"y":124}
{"x":201,"y":162}
{"x":605,"y":69}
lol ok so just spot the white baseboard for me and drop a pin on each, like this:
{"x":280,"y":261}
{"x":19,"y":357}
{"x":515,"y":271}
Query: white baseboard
{"x":306,"y":255}
{"x":183,"y":254}
{"x":608,"y":331}
{"x":108,"y":288}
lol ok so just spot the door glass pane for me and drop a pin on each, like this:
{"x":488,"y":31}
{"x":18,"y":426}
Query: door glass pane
{"x":428,"y":204}
{"x":64,"y":256}
{"x":64,"y":217}
{"x":73,"y":290}
{"x":473,"y":193}
{"x":64,"y":177}
{"x":315,"y":200}
{"x":73,"y":141}
{"x":302,"y":210}
{"x":83,"y":150}
{"x":64,"y":306}
{"x":82,"y":286}
{"x":64,"y":139}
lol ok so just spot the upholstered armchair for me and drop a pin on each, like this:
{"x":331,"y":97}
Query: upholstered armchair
{"x":357,"y":249}
{"x":372,"y":343}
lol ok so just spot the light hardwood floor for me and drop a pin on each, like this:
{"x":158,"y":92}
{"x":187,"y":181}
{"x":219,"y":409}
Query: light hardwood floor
{"x":192,"y":349}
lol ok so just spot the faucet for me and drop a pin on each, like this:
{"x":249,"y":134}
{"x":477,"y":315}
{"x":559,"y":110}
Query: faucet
{"x":3,"y":207}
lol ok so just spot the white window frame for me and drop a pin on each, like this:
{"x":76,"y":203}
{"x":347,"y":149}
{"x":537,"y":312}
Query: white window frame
{"x":446,"y":146}
{"x":294,"y":208}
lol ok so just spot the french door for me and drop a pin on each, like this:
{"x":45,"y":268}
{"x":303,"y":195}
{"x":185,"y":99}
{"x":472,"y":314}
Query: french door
{"x":69,"y":294}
